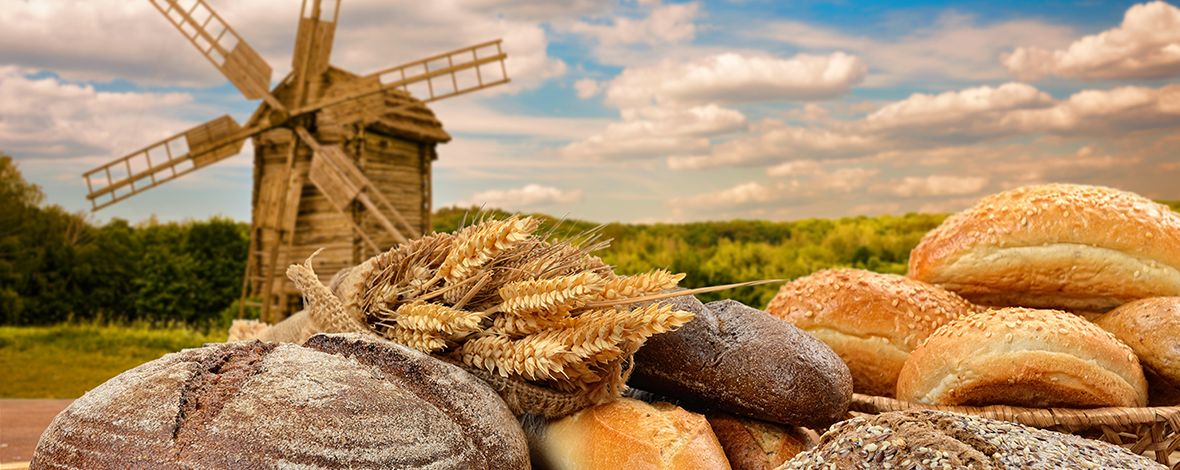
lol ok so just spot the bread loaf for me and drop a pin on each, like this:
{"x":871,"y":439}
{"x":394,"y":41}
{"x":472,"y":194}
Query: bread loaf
{"x":1151,"y":327}
{"x":631,"y":434}
{"x":934,"y":440}
{"x":343,"y":401}
{"x":871,"y":320}
{"x":741,"y":360}
{"x":1061,"y":246}
{"x":757,"y":445}
{"x":1023,"y":357}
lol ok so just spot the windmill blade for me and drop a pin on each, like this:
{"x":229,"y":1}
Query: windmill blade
{"x":313,"y":46}
{"x":441,"y":76}
{"x":221,"y":45}
{"x":342,"y":182}
{"x":166,"y":160}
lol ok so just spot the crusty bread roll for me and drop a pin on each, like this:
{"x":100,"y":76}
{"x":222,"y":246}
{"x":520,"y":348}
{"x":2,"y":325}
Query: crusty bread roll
{"x":1023,"y":357}
{"x":871,"y":320}
{"x":1151,"y":327}
{"x":631,"y":434}
{"x":935,"y":439}
{"x":757,"y":445}
{"x":343,"y":401}
{"x":1062,"y":246}
{"x":741,"y":360}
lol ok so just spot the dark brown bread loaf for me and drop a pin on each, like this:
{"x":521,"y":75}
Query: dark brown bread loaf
{"x":343,"y":401}
{"x":745,"y":362}
{"x":757,"y":445}
{"x":935,"y":439}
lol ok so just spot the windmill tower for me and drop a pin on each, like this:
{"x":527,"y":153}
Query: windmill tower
{"x":341,"y":161}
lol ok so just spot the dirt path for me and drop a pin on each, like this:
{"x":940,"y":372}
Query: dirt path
{"x":21,"y":424}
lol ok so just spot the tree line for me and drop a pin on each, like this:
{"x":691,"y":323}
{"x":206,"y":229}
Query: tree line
{"x":58,"y":266}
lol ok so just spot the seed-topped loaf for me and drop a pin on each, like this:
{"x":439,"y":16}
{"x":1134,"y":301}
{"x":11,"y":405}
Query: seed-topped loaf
{"x":1151,"y":327}
{"x":343,"y":401}
{"x":1062,"y":246}
{"x":1023,"y":357}
{"x":871,"y":320}
{"x":924,"y":439}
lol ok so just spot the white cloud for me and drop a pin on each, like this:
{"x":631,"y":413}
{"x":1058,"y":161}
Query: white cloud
{"x":665,"y":24}
{"x":954,"y":47}
{"x":658,"y":131}
{"x":936,"y":185}
{"x":101,"y":40}
{"x":972,"y":105}
{"x":1145,"y":45}
{"x":791,"y":191}
{"x":531,"y":195}
{"x":732,"y":77}
{"x":587,"y":88}
{"x":776,"y":141}
{"x":49,"y":118}
{"x":795,"y":168}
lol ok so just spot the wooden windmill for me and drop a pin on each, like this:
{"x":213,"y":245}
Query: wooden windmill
{"x":341,"y":161}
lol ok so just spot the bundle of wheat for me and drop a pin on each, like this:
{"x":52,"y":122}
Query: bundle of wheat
{"x":499,"y":297}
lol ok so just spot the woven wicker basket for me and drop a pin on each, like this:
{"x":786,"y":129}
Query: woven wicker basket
{"x":1154,"y":431}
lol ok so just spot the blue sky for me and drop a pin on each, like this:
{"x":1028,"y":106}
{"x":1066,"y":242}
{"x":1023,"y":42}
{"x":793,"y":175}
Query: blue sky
{"x":648,"y":111}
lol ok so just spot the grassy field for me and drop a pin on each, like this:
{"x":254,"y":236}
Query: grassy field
{"x":64,"y":361}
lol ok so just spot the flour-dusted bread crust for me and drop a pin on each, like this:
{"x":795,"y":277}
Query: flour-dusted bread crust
{"x":745,"y":362}
{"x":341,"y":402}
{"x":934,"y":439}
{"x":1151,"y":327}
{"x":631,"y":434}
{"x":871,"y":320}
{"x":1062,"y":246}
{"x":757,"y":445}
{"x":1023,"y":357}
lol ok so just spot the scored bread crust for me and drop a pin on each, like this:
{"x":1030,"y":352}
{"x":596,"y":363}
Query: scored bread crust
{"x":343,"y":401}
{"x":1023,"y":357}
{"x":1056,"y":246}
{"x":872,"y":321}
{"x":628,"y":433}
{"x":1151,"y":328}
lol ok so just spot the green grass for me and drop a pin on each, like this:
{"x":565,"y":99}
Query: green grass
{"x":64,"y":361}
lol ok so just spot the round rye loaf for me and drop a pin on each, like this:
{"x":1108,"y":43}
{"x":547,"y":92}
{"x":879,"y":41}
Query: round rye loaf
{"x":339,"y":401}
{"x":743,"y":361}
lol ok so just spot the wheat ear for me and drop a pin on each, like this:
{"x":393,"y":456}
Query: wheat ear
{"x":532,"y":358}
{"x":652,"y":282}
{"x":477,"y":245}
{"x":437,"y":318}
{"x":425,"y":341}
{"x":550,"y":295}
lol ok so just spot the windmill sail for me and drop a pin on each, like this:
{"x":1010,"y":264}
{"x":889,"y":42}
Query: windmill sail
{"x":164,"y":161}
{"x":221,"y":45}
{"x":433,"y":78}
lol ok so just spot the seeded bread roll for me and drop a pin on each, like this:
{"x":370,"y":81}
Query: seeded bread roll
{"x":1023,"y":357}
{"x":1063,"y":246}
{"x":934,"y":440}
{"x":742,"y":361}
{"x":631,"y":434}
{"x":343,"y":401}
{"x":871,"y":320}
{"x":1151,"y":327}
{"x":757,"y":445}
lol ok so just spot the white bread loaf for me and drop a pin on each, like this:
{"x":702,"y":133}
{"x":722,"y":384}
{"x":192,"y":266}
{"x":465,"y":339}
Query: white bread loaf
{"x":1023,"y":357}
{"x":633,"y":435}
{"x":1062,"y":246}
{"x":1151,"y":327}
{"x":872,"y":321}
